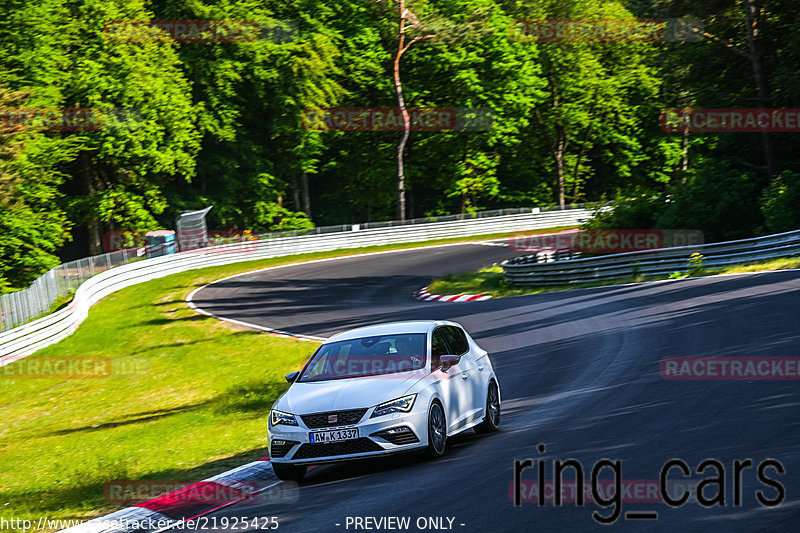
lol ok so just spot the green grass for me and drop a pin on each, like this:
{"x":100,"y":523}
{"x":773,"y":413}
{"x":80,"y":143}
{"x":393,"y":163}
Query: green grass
{"x":490,"y":280}
{"x":774,"y":264}
{"x":186,"y":398}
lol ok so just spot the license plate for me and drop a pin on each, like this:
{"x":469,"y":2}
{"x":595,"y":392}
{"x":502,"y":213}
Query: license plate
{"x":335,"y":435}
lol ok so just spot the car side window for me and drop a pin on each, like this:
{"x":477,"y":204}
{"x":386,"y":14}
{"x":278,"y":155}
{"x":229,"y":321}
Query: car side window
{"x":438,"y":343}
{"x":438,"y":347}
{"x":456,"y":339}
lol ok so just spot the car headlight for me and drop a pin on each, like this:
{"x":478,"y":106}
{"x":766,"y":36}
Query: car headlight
{"x":279,"y":417}
{"x":400,"y":405}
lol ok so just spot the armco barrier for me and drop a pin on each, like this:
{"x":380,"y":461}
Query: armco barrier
{"x":523,"y":271}
{"x":26,"y":339}
{"x":22,"y":306}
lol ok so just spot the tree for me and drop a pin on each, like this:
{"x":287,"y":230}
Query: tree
{"x":31,"y":224}
{"x":598,"y":95}
{"x":405,"y":39}
{"x":255,"y":154}
{"x":149,"y":137}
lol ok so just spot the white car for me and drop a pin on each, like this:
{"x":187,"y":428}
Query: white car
{"x":383,"y":389}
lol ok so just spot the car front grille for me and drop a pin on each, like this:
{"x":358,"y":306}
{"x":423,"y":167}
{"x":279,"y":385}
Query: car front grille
{"x":347,"y":447}
{"x":280,"y":447}
{"x":343,"y":418}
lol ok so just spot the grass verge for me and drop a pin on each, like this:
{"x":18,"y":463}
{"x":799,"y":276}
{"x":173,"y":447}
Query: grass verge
{"x":186,"y":397}
{"x":490,"y":280}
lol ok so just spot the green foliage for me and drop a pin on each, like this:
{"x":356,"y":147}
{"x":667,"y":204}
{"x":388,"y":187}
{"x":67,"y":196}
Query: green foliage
{"x":478,"y":179}
{"x":638,"y":212}
{"x":721,"y":202}
{"x":695,"y":264}
{"x":780,"y":203}
{"x":196,"y":124}
{"x":31,"y":224}
{"x":636,"y":269}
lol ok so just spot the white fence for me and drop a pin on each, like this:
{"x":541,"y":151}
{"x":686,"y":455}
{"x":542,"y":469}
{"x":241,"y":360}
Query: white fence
{"x":525,"y":271}
{"x":28,"y":338}
{"x":19,"y":307}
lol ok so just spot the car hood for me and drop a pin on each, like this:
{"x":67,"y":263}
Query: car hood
{"x":339,"y":394}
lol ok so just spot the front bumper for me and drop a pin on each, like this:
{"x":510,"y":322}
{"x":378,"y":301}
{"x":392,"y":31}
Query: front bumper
{"x":393,"y":433}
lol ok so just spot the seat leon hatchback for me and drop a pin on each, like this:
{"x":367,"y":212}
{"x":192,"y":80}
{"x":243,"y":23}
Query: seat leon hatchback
{"x":382,"y":389}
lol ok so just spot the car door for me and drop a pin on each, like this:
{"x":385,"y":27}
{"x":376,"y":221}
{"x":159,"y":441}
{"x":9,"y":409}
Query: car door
{"x":455,"y":382}
{"x":474,"y":397}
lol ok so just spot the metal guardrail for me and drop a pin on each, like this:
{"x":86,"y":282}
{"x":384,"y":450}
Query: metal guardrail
{"x":20,"y":307}
{"x":28,"y":338}
{"x":525,"y":271}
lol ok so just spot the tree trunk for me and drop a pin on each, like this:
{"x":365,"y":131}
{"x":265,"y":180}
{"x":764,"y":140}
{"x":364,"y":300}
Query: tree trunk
{"x":402,"y":47}
{"x":295,"y":194}
{"x":685,"y":152}
{"x":577,"y":172}
{"x":558,"y":155}
{"x":306,"y":194}
{"x":764,"y":99}
{"x":401,"y":183}
{"x":92,"y":224}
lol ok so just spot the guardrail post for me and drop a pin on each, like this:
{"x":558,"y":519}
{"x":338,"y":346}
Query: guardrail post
{"x":66,"y":278}
{"x":6,"y":313}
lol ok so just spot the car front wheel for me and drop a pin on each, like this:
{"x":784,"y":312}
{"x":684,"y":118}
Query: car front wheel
{"x":437,"y":431}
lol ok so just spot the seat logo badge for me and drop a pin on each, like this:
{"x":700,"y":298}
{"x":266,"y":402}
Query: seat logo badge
{"x":332,"y":419}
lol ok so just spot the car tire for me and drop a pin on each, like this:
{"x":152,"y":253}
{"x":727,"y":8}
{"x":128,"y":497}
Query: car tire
{"x":437,"y":431}
{"x":289,"y":472}
{"x":491,"y":420}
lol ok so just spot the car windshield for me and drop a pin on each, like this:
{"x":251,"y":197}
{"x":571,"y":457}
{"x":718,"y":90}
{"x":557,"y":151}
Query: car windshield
{"x":366,"y":356}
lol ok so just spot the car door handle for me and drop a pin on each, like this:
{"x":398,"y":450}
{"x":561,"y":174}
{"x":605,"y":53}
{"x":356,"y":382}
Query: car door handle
{"x":464,"y":375}
{"x":480,"y":367}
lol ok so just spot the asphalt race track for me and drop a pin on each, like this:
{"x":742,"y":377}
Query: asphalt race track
{"x":579,"y":372}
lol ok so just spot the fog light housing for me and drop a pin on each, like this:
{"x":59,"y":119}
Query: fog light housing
{"x":399,"y":435}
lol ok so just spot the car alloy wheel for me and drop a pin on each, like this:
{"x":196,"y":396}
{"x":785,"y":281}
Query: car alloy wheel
{"x":491,"y":420}
{"x":437,"y":431}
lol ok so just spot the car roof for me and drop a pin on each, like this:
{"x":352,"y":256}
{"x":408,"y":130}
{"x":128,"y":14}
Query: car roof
{"x":410,"y":326}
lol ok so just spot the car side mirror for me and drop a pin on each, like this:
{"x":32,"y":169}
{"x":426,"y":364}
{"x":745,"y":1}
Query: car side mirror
{"x":448,"y":361}
{"x":291,"y":376}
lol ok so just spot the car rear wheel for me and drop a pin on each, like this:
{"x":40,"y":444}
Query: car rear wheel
{"x":437,"y":431}
{"x":289,"y":472}
{"x":491,"y":421}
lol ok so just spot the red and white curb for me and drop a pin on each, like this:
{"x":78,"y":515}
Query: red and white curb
{"x":424,"y":295}
{"x":169,"y":510}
